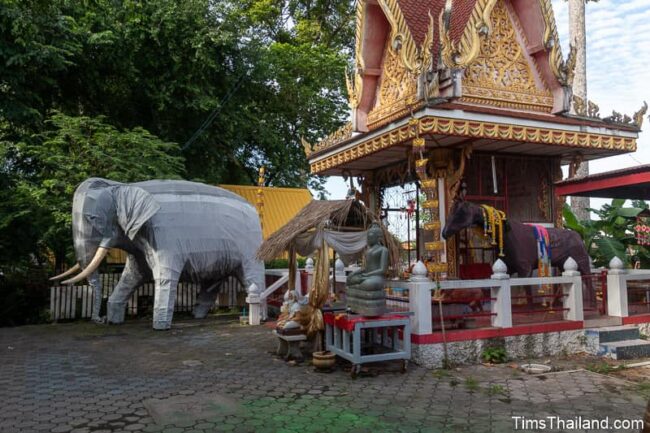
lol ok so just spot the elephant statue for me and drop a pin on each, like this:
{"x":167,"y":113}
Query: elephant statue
{"x":172,"y":231}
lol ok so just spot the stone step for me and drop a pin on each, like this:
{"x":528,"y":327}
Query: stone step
{"x":629,"y":349}
{"x":603,"y":321}
{"x":611,"y":334}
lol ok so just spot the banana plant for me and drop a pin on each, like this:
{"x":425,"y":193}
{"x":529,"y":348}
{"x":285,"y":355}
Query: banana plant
{"x":611,"y":234}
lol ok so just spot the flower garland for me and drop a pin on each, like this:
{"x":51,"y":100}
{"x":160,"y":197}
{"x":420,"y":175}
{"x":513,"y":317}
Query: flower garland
{"x":493,"y":220}
{"x":642,"y":232}
{"x":544,"y":268}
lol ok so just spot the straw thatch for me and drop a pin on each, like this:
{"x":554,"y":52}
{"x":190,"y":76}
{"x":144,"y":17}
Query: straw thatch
{"x":335,"y":213}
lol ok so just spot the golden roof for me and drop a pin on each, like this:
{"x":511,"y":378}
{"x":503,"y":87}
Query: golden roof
{"x":280,"y":204}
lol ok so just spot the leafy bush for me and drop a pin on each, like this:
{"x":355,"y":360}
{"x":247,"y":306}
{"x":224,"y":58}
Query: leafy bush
{"x":612,"y":233}
{"x":24,"y":297}
{"x":494,"y":355}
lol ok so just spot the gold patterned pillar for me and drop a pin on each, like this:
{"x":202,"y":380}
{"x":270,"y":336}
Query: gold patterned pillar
{"x":259,"y":202}
{"x":430,"y":207}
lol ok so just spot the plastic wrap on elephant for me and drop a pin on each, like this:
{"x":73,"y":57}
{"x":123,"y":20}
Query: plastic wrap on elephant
{"x":172,"y":231}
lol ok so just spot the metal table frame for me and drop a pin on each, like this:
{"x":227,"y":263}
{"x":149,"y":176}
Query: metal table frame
{"x":347,"y":344}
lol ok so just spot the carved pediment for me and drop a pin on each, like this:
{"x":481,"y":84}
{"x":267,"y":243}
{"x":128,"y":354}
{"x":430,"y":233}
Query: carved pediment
{"x":397,"y":89}
{"x":502,"y":75}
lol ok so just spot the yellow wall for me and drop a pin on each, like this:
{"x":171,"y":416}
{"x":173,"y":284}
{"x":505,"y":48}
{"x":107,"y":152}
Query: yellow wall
{"x":280,"y":204}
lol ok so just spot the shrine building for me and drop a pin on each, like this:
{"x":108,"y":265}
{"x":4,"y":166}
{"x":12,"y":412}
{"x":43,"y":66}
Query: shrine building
{"x":474,"y":94}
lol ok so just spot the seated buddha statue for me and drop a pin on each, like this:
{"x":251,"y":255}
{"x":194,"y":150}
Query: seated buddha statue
{"x":365,"y":287}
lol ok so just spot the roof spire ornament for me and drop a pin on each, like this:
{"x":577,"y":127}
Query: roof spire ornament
{"x":460,"y":54}
{"x":353,"y":83}
{"x":639,"y":115}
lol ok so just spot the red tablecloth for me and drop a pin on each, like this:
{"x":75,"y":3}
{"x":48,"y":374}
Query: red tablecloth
{"x":343,"y":321}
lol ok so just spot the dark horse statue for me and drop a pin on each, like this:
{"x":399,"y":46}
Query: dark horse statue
{"x":520,"y":247}
{"x":519,"y":242}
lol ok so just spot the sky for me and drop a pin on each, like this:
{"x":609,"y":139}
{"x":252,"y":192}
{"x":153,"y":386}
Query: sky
{"x":618,"y":71}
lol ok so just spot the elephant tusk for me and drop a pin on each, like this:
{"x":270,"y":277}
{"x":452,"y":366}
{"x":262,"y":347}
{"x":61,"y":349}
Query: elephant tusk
{"x":70,"y":271}
{"x":92,"y":267}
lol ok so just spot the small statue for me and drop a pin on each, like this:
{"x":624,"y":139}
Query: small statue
{"x":292,"y":305}
{"x":365,"y":287}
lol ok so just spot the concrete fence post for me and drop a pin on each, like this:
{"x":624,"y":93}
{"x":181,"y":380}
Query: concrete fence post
{"x":420,"y":300}
{"x":254,"y":305}
{"x":573,"y":292}
{"x":502,"y":307}
{"x":617,"y":289}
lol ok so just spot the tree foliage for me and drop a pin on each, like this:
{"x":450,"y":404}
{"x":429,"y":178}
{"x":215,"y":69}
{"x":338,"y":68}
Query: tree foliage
{"x":612,"y":234}
{"x":117,"y":88}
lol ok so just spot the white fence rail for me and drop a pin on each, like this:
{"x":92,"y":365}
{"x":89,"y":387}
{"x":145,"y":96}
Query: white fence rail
{"x":76,"y":302}
{"x":257,"y":302}
{"x":420,"y":290}
{"x":619,"y":280}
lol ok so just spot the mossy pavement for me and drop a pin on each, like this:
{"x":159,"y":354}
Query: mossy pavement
{"x":219,"y":376}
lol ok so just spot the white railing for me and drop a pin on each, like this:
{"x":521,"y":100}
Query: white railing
{"x":77,"y":301}
{"x":618,"y":279}
{"x":500,"y":284}
{"x":257,"y":302}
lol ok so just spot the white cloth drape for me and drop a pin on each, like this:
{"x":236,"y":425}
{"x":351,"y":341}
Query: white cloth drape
{"x":348,"y":245}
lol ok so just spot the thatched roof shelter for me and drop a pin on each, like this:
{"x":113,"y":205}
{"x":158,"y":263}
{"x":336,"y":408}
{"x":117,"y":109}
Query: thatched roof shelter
{"x":336,"y":214}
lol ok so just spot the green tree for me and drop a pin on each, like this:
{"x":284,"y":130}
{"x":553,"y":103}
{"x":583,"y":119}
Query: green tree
{"x":72,"y":149}
{"x":612,"y":234}
{"x":271,"y":72}
{"x":265,"y":72}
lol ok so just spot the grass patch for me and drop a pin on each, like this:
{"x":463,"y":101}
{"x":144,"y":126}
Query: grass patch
{"x":471,"y":384}
{"x":603,"y":367}
{"x":496,"y":390}
{"x":441,"y":373}
{"x":599,"y":367}
{"x":644,"y":388}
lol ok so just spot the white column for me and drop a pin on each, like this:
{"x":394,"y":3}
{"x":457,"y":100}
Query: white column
{"x":254,"y":305}
{"x":578,"y":38}
{"x":309,"y":267}
{"x":573,"y":292}
{"x":502,"y":307}
{"x":339,"y":269}
{"x":616,"y":289}
{"x":420,"y":300}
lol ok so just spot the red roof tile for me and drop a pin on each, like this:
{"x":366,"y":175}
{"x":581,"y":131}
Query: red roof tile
{"x":416,"y":13}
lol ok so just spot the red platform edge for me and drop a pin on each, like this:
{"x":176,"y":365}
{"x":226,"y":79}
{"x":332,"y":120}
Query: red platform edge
{"x":482,"y":334}
{"x":633,"y":320}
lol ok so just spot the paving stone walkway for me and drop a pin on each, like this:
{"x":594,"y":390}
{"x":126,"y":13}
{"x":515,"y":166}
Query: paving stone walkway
{"x":215,"y":376}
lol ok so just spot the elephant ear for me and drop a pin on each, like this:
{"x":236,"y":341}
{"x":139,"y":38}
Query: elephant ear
{"x":134,"y":207}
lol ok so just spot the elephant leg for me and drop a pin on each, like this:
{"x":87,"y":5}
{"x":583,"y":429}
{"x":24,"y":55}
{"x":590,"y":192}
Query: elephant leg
{"x":205,"y":300}
{"x":95,"y":284}
{"x":130,"y":279}
{"x":166,"y":282}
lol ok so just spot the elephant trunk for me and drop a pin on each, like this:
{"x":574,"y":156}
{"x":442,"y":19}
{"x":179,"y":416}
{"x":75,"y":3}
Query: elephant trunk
{"x":92,"y":267}
{"x":70,"y":271}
